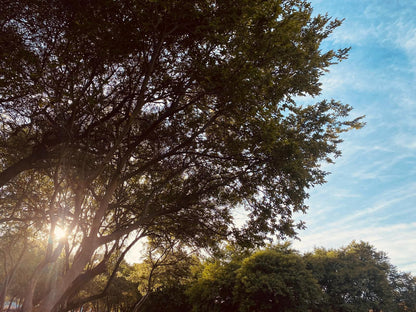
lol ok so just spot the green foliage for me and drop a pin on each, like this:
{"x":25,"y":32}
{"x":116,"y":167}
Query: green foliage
{"x":164,"y":274}
{"x":275,"y":279}
{"x":214,"y":289}
{"x":349,"y":279}
{"x":169,"y":298}
{"x":354,"y":278}
{"x":159,"y":117}
{"x":404,"y":290}
{"x":120,"y":295}
{"x":167,"y":264}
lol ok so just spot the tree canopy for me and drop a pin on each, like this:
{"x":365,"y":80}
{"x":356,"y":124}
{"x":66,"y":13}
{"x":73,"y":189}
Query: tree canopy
{"x":274,"y":279}
{"x":353,"y":278}
{"x":277,"y":278}
{"x":128,"y":119}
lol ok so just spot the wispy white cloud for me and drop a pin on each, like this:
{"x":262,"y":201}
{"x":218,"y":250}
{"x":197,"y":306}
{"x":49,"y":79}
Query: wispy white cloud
{"x":405,"y":140}
{"x":386,"y":200}
{"x":380,"y":219}
{"x":397,"y":240}
{"x":371,"y":194}
{"x":383,"y":168}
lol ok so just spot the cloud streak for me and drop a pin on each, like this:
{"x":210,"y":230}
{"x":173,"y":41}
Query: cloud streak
{"x":397,"y":240}
{"x":371,"y":193}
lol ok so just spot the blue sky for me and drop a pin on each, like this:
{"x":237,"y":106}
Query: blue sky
{"x":371,"y":193}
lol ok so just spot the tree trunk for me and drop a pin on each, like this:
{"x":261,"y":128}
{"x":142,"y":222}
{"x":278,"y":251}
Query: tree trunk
{"x":3,"y":295}
{"x":9,"y":277}
{"x":30,"y":290}
{"x":140,"y":303}
{"x":54,"y":297}
{"x":10,"y":304}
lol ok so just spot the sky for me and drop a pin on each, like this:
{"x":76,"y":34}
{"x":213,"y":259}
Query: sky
{"x":370,"y":194}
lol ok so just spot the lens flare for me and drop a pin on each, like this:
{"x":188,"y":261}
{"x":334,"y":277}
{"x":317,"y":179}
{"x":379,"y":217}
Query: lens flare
{"x":60,"y":233}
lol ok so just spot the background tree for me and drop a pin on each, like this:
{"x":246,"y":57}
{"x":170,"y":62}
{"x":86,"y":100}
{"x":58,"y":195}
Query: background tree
{"x":12,"y":250}
{"x":404,"y":290}
{"x":238,"y":279}
{"x":353,"y":278}
{"x":165,"y":274}
{"x":276,"y":279}
{"x":145,"y":117}
{"x":213,"y":290}
{"x":120,"y":295}
{"x":166,"y":269}
{"x":23,"y":268}
{"x":273,"y":279}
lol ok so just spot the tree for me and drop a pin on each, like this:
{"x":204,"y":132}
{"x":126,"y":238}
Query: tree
{"x":164,"y":276}
{"x":119,"y":295}
{"x":273,"y":279}
{"x":165,"y":270}
{"x":213,"y":290}
{"x":276,"y":280}
{"x":353,"y":278}
{"x":22,"y":253}
{"x":12,"y":250}
{"x":145,"y":117}
{"x":404,"y":290}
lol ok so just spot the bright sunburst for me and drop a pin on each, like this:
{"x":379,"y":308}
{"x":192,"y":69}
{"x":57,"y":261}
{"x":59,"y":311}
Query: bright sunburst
{"x":60,"y":233}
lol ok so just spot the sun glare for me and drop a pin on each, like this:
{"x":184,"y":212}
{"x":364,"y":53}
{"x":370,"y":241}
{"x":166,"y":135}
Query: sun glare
{"x":60,"y":233}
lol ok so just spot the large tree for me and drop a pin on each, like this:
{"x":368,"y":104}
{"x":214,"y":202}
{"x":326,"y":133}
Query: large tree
{"x":131,"y":117}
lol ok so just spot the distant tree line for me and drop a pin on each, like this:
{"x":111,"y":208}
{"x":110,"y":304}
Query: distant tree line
{"x":277,"y":278}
